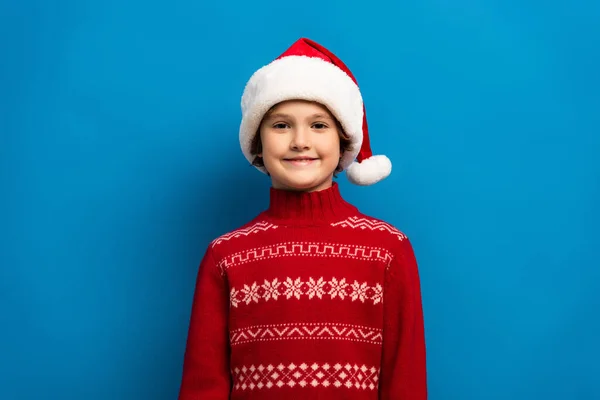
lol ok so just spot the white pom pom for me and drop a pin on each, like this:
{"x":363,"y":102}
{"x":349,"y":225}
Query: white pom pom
{"x":369,"y":171}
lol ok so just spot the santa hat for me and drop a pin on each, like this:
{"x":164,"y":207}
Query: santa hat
{"x":308,"y":71}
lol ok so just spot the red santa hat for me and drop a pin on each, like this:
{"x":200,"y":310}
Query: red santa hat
{"x":308,"y":71}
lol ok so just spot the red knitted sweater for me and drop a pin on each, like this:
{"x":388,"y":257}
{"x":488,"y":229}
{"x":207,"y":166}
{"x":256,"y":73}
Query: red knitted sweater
{"x":310,"y":300}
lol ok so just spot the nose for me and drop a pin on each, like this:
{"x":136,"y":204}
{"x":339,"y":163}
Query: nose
{"x":300,"y":139}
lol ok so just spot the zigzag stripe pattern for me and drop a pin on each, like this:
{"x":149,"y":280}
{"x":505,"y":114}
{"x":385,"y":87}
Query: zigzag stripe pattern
{"x":311,"y":249}
{"x":306,"y":331}
{"x":371,"y":224}
{"x":254,"y":228}
{"x":338,"y":376}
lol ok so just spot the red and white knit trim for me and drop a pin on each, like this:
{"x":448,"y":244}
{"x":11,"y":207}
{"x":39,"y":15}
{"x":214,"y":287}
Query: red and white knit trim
{"x":340,"y":375}
{"x":370,"y":224}
{"x":260,"y":226}
{"x":307,"y":249}
{"x":307,"y":331}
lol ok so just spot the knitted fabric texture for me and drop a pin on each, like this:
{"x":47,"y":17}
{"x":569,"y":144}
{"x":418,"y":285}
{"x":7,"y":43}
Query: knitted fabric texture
{"x":311,"y":299}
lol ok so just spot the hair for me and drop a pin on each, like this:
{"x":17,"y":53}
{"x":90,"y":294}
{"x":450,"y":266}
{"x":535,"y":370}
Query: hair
{"x":256,"y":146}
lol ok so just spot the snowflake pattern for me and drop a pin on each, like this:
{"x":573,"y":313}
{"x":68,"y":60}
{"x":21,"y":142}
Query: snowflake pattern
{"x":315,"y":288}
{"x":251,"y":293}
{"x":377,"y":295}
{"x":311,"y":289}
{"x":293,"y":288}
{"x":234,"y":297}
{"x":359,"y":291}
{"x":338,"y":288}
{"x":271,"y":289}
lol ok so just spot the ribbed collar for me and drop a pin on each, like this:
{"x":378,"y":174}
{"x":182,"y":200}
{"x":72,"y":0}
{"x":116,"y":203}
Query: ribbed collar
{"x":319,"y":207}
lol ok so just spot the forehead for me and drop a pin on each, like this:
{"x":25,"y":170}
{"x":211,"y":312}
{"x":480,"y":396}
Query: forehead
{"x":300,"y":107}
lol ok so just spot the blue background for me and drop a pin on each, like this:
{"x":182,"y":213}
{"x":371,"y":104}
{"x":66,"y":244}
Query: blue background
{"x":119,"y":161}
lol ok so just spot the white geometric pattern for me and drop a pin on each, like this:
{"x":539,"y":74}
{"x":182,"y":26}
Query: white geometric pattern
{"x":254,"y":228}
{"x":309,"y":249}
{"x":371,"y":224}
{"x":270,"y":376}
{"x":306,"y":331}
{"x":311,"y":289}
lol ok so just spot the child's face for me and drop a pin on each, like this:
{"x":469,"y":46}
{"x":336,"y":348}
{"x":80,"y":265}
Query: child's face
{"x":300,"y":146}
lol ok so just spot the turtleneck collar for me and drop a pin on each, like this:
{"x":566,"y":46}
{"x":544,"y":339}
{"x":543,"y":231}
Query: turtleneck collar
{"x":295,"y":207}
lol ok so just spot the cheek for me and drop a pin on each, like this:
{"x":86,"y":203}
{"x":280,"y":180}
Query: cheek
{"x":273,"y":146}
{"x":328,"y":148}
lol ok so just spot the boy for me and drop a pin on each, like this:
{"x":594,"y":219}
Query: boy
{"x":311,"y":299}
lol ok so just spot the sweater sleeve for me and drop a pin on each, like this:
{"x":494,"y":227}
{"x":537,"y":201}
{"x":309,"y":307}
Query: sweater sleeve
{"x":403,"y":369}
{"x":206,"y":372}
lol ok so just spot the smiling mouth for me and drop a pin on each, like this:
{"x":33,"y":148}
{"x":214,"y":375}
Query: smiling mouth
{"x":300,"y":160}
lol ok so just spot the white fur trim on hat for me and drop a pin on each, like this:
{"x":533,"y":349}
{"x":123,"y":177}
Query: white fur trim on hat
{"x":302,"y":78}
{"x":370,"y":171}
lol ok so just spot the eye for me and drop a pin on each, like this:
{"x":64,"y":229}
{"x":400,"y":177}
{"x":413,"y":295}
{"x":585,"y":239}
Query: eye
{"x":280,"y":125}
{"x":319,"y":126}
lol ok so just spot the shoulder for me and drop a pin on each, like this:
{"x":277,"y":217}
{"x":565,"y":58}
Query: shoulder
{"x":373,"y":227}
{"x":247,"y":230}
{"x":232,"y":243}
{"x":389,"y":237}
{"x":378,"y":233}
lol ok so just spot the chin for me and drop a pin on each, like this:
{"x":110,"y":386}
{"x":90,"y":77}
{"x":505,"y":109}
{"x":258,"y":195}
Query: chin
{"x":306,"y":183}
